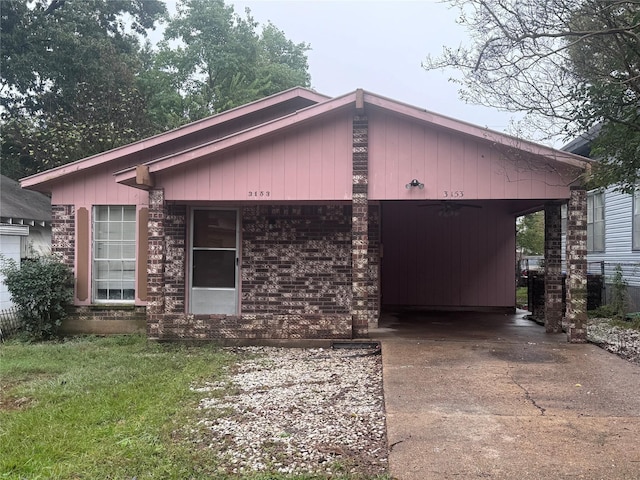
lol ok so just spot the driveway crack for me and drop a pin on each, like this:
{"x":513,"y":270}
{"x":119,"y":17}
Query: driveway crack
{"x":527,"y":395}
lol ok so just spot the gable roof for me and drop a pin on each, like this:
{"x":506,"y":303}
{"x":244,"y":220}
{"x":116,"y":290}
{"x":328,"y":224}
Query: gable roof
{"x":267,"y":117}
{"x":20,"y":206}
{"x":139,"y":152}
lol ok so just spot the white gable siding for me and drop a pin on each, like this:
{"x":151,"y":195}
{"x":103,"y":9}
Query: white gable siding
{"x":10,"y":241}
{"x":618,"y":231}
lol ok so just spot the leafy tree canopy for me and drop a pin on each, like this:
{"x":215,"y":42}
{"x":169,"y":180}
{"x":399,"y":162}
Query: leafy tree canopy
{"x":530,"y":234}
{"x":76,"y":79}
{"x":573,"y":66}
{"x":221,"y":60}
{"x":68,"y":86}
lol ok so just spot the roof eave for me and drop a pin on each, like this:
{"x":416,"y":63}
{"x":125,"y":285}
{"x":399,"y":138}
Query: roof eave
{"x":128,"y":176}
{"x":33,"y":181}
{"x":474,"y":131}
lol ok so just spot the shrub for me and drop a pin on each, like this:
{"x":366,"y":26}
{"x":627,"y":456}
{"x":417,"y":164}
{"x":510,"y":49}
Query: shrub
{"x":41,"y":288}
{"x":619,"y":297}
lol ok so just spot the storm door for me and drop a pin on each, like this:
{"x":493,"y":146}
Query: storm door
{"x":214,"y":262}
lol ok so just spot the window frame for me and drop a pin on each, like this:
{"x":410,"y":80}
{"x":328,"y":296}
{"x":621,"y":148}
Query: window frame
{"x":592,"y":222}
{"x":127,"y":241}
{"x":635,"y":220}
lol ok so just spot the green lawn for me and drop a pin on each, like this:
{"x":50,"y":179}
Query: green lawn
{"x":98,"y":408}
{"x":101,"y":408}
{"x":521,"y":297}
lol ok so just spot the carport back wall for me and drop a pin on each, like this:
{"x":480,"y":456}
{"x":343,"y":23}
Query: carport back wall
{"x":462,"y":261}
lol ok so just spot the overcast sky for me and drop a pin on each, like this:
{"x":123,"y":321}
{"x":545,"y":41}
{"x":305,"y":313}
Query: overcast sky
{"x":377,"y":46}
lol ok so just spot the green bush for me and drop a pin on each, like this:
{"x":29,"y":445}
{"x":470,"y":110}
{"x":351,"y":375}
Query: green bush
{"x":619,"y":297}
{"x":41,"y":288}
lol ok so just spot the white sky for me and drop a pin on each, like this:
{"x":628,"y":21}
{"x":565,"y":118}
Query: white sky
{"x":377,"y":46}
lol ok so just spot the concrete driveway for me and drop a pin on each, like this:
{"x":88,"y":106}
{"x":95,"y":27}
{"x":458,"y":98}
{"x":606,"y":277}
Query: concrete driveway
{"x":494,"y":396}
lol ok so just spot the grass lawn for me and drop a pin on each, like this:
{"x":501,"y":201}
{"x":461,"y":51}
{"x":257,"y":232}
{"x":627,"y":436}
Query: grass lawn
{"x":98,"y":408}
{"x":521,"y":297}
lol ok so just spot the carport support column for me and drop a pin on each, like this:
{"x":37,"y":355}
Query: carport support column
{"x":577,"y":266}
{"x":552,"y":268}
{"x":156,"y":259}
{"x":360,"y":228}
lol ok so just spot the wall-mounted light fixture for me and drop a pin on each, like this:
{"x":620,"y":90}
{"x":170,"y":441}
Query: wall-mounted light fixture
{"x":414,"y":183}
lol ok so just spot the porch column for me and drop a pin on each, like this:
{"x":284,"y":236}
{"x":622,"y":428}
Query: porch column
{"x":360,"y":228}
{"x":577,"y":266}
{"x":156,"y":259}
{"x":552,"y":268}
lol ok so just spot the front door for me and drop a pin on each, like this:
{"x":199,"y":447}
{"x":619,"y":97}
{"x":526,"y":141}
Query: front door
{"x":214,"y":262}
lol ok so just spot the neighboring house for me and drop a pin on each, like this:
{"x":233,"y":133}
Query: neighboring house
{"x":613,"y":231}
{"x":300,"y":216}
{"x":25,"y":227}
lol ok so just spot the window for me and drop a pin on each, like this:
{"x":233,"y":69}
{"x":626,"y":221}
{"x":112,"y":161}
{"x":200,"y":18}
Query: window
{"x":595,"y":222}
{"x":636,"y":219}
{"x":114,"y":253}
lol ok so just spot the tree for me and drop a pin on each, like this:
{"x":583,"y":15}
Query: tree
{"x":69,"y":79}
{"x":530,"y":234}
{"x":76,"y":81}
{"x":572,"y":66}
{"x":221,"y":62}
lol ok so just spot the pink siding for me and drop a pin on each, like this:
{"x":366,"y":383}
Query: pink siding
{"x":96,"y":187}
{"x":461,"y":261}
{"x":455,"y":164}
{"x":311,"y":162}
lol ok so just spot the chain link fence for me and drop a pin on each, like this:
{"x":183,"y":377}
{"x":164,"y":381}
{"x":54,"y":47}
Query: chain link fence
{"x":10,"y":323}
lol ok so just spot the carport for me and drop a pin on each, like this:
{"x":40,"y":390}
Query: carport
{"x":448,"y":194}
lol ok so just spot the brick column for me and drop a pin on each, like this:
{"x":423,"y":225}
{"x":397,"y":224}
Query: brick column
{"x":175,"y":229}
{"x":156,"y":259}
{"x":576,"y":315}
{"x":360,"y":227}
{"x":552,"y":268}
{"x":63,"y":233}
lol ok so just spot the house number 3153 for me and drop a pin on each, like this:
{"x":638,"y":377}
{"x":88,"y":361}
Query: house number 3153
{"x":259,"y":193}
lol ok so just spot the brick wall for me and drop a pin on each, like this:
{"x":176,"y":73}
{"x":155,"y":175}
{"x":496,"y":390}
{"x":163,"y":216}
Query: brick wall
{"x":156,"y":255}
{"x":63,"y":233}
{"x":373,"y":281}
{"x":175,"y":229}
{"x":553,"y":268}
{"x":295,"y":260}
{"x":576,"y":314}
{"x":109,"y":313}
{"x":360,"y":227}
{"x":295,"y":276}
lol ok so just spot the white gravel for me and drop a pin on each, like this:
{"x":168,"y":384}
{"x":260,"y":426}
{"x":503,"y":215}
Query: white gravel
{"x":316,"y":411}
{"x":624,"y":342}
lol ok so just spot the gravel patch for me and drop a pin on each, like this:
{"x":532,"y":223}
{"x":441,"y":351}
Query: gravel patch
{"x":624,"y":342}
{"x":317,"y":411}
{"x":297,"y":411}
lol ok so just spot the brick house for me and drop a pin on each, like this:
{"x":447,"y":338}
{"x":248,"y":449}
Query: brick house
{"x":302,"y":216}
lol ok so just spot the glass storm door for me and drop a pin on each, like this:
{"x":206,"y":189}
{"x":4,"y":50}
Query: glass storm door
{"x":214,"y":265}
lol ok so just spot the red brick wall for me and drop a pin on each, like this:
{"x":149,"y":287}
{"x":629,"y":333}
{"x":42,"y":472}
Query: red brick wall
{"x":552,"y":268}
{"x":295,"y":276}
{"x":360,"y":227}
{"x":63,"y":233}
{"x":576,"y":314}
{"x":175,"y":258}
{"x":296,"y":260}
